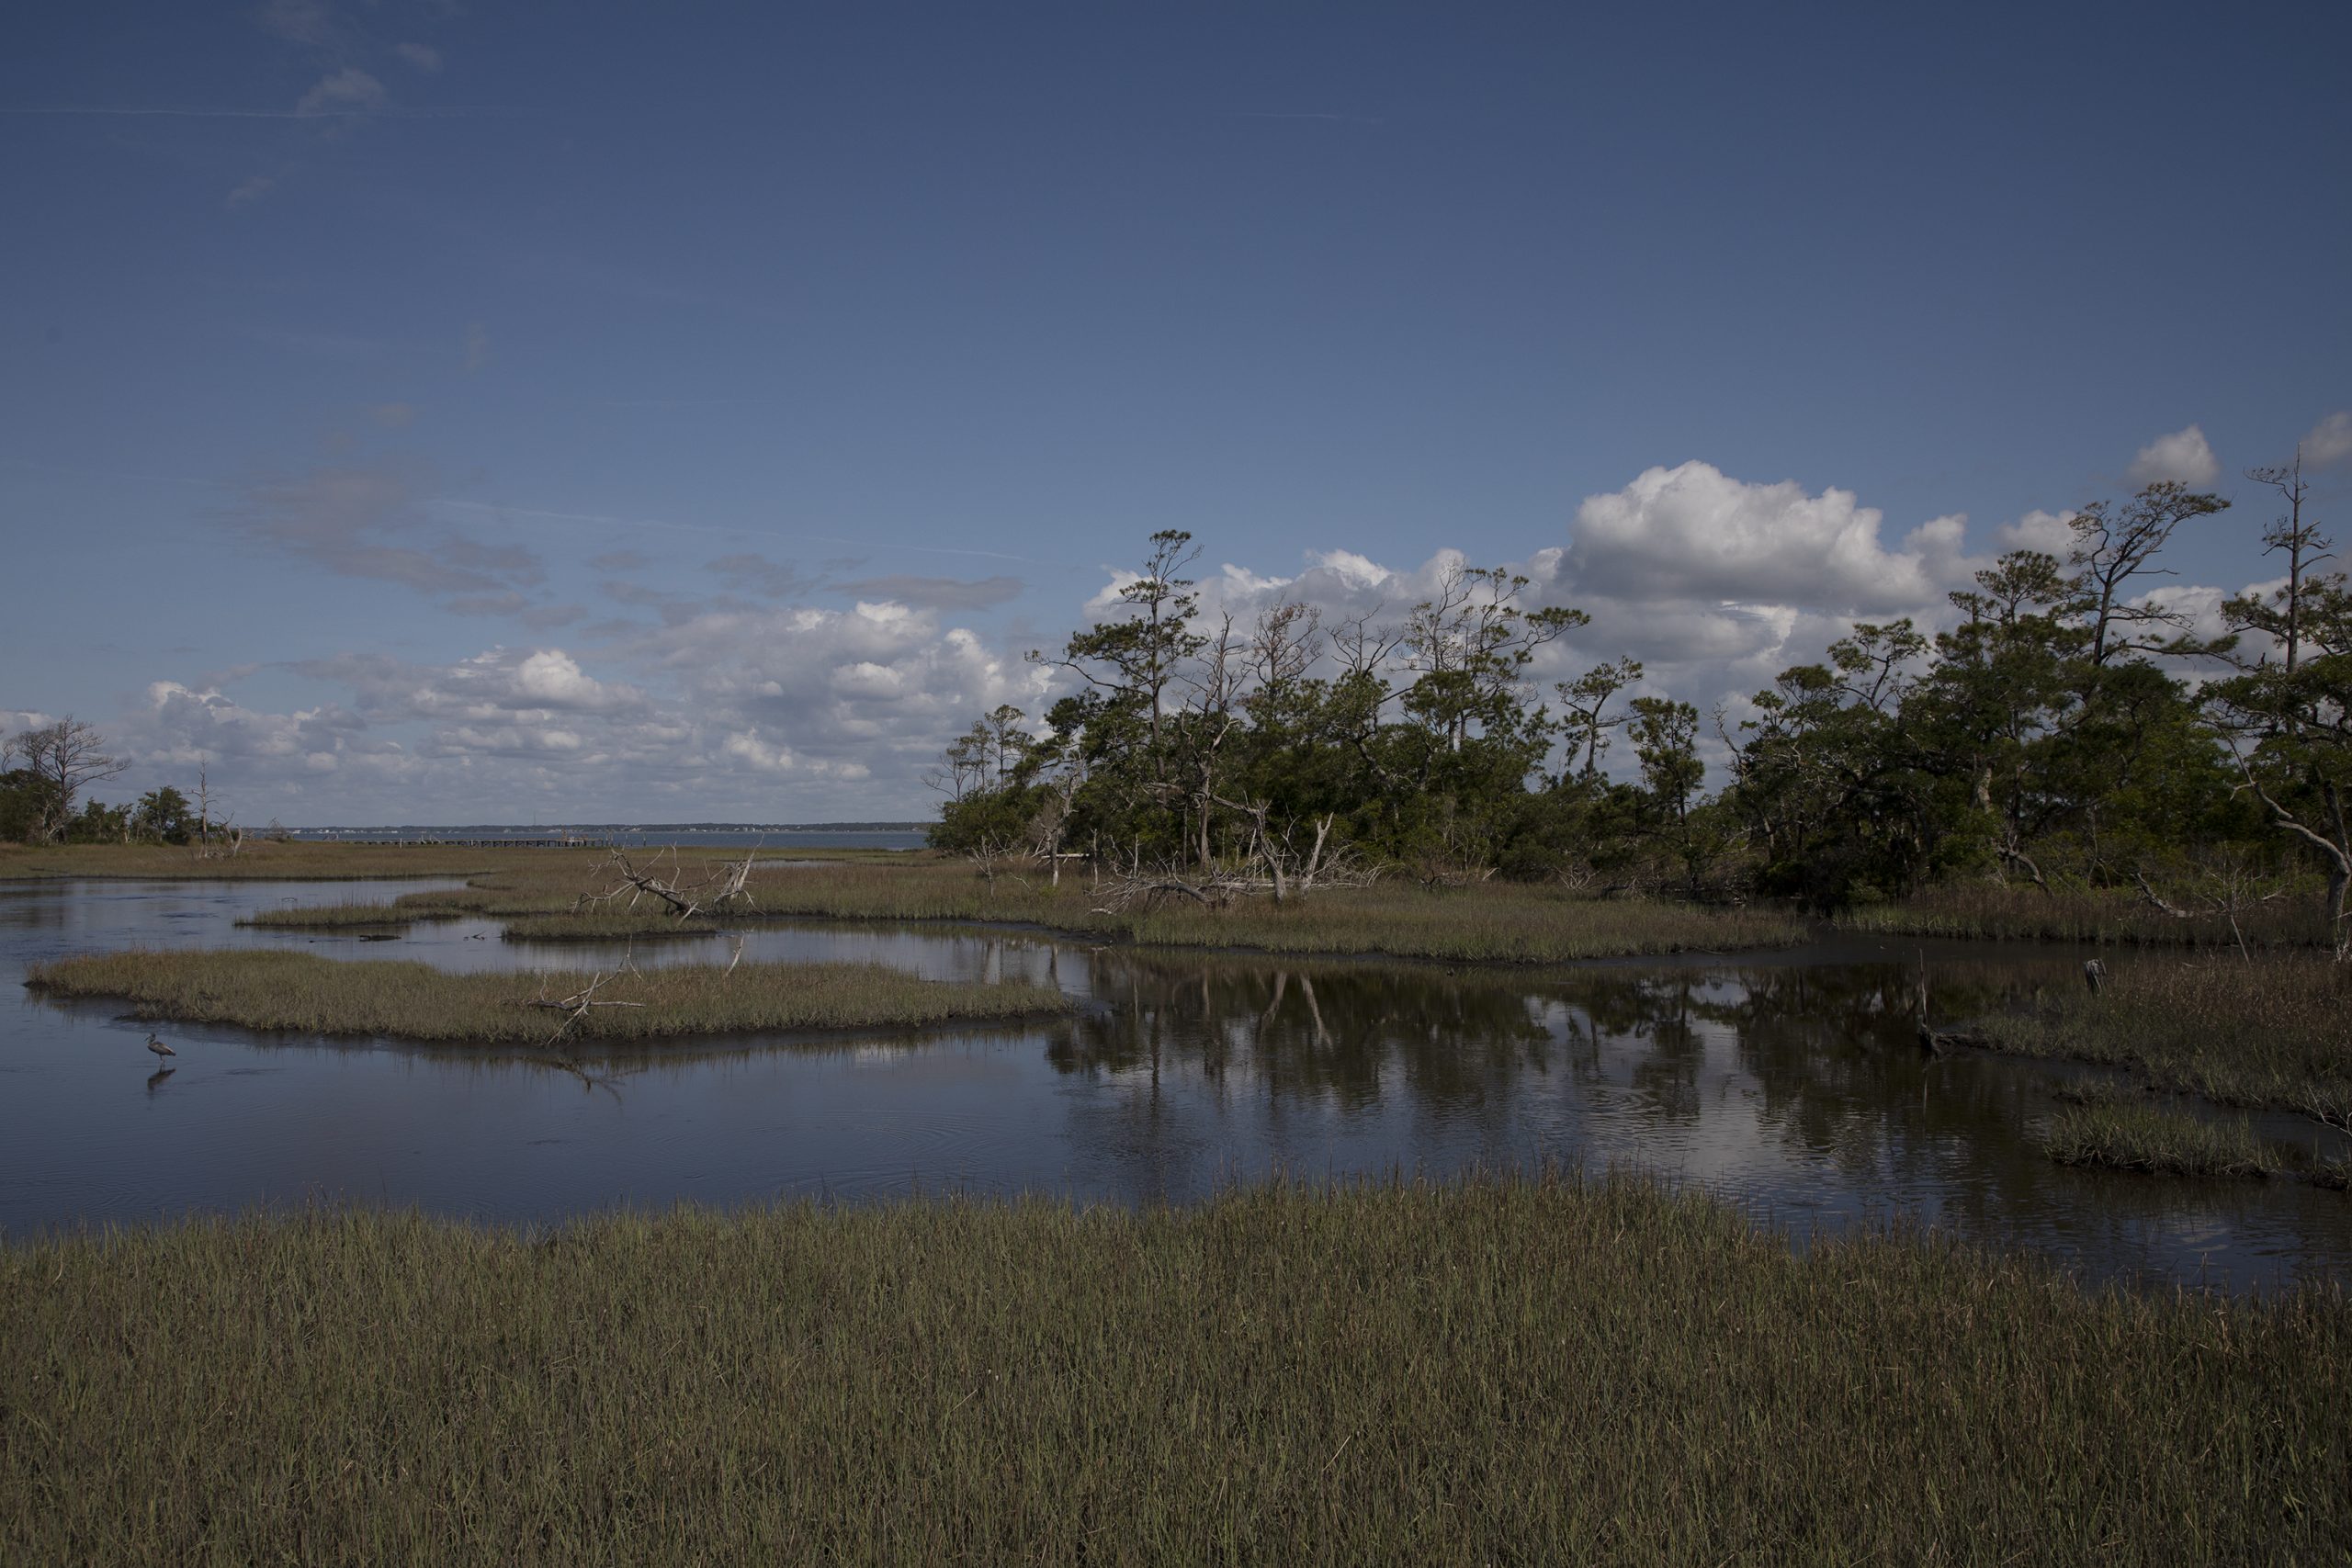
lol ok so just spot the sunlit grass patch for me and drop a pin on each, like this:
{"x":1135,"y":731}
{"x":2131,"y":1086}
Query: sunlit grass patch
{"x":299,"y":991}
{"x":2125,"y":1131}
{"x":334,"y":917}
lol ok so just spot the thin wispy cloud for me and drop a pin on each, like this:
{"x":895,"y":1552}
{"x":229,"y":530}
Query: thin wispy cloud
{"x":928,"y":549}
{"x":938,"y":592}
{"x":349,"y":88}
{"x":1308,"y":114}
{"x":385,"y":111}
{"x":2330,"y":441}
{"x":607,"y":520}
{"x":297,"y":21}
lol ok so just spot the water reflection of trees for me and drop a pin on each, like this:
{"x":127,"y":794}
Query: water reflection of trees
{"x":1832,"y":1050}
{"x":1345,"y":1034}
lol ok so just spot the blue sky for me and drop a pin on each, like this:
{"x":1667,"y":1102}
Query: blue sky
{"x":422,"y":412}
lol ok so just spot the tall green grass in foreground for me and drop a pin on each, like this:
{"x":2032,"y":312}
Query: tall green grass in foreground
{"x":1514,"y":1372}
{"x":2275,"y":1032}
{"x":262,"y":989}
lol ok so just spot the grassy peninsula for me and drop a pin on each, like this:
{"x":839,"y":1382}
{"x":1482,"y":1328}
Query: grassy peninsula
{"x":2271,"y":1032}
{"x":1492,"y":921}
{"x":1496,"y":1371}
{"x":299,"y":991}
{"x":2112,"y":916}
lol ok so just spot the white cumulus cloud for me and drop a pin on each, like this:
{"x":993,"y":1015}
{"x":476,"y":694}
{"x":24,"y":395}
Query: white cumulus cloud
{"x":2185,"y":456}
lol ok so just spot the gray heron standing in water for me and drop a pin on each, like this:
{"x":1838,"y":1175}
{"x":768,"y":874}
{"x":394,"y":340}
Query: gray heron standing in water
{"x":158,"y":1046}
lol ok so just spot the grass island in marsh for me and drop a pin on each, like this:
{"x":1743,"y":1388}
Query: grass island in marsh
{"x":1490,"y":921}
{"x":2271,"y":1031}
{"x":299,"y":991}
{"x":2121,"y":1129}
{"x":1494,"y":1370}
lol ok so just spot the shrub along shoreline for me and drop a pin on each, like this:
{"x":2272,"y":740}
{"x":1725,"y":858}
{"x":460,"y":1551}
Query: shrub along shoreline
{"x":258,"y":988}
{"x":1497,"y":1370}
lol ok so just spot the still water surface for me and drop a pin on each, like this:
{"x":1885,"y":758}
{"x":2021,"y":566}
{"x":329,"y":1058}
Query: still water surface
{"x":1787,"y":1083}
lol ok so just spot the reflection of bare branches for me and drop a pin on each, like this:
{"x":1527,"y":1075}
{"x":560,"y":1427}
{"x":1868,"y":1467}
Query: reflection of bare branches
{"x":737,"y":958}
{"x":687,"y":901}
{"x":1306,"y":989}
{"x":588,"y":1082}
{"x":1282,"y":984}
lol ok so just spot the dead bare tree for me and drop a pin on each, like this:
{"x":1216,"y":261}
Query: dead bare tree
{"x":2226,"y":886}
{"x":1122,"y":888}
{"x":65,"y":757}
{"x":2337,"y":847}
{"x":231,"y":836}
{"x":723,"y":885}
{"x":1274,"y":864}
{"x":991,"y":852}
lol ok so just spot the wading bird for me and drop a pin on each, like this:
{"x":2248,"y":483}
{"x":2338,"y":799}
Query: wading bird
{"x":159,"y":1047}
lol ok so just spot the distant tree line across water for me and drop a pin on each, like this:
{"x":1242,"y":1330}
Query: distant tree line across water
{"x":2069,"y":727}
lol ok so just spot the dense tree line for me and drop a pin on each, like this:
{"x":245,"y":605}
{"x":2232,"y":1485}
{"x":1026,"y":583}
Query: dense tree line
{"x":2065,"y":727}
{"x":49,"y":767}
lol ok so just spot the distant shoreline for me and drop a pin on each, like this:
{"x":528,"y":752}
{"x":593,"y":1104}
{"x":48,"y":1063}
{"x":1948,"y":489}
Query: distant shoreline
{"x":481,"y":829}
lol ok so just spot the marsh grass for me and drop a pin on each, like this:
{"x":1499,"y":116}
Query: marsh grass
{"x":300,"y":991}
{"x":2125,"y":1131}
{"x":2274,"y":1032}
{"x":1493,"y":922}
{"x":1499,"y":1371}
{"x":337,"y":916}
{"x":2080,"y":914}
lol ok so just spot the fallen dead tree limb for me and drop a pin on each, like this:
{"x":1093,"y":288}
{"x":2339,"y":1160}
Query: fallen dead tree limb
{"x":576,"y":1006}
{"x":687,"y":900}
{"x":1273,"y":867}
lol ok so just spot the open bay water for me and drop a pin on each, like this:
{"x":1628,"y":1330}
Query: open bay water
{"x":1787,"y":1083}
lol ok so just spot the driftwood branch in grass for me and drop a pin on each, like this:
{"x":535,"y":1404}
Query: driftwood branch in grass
{"x":576,"y":1006}
{"x":686,"y":900}
{"x":1271,"y":864}
{"x":2228,"y":888}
